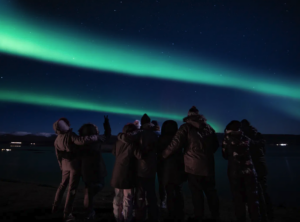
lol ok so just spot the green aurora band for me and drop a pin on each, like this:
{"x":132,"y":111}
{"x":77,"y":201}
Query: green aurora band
{"x":68,"y":103}
{"x":22,"y":36}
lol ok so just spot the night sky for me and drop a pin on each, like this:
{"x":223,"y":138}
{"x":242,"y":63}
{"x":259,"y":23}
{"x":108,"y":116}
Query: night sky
{"x":86,"y":59}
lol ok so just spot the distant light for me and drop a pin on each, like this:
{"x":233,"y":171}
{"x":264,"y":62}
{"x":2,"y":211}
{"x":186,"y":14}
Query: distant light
{"x":15,"y":142}
{"x":281,"y":144}
{"x":5,"y":149}
{"x":15,"y":145}
{"x":32,"y":143}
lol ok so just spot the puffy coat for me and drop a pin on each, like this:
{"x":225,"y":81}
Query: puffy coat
{"x":200,"y":142}
{"x":93,"y":167}
{"x":147,"y":166}
{"x":65,"y":146}
{"x":257,"y":150}
{"x":172,"y":168}
{"x":124,"y":172}
{"x":236,"y":149}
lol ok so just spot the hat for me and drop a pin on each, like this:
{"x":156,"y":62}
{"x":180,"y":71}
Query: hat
{"x":137,"y":123}
{"x":145,"y":119}
{"x":193,"y":111}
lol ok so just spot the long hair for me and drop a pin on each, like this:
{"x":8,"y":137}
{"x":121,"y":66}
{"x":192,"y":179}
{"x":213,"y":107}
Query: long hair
{"x":88,"y":129}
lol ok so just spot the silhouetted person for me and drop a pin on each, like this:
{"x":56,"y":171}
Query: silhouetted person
{"x":171,"y":171}
{"x":200,"y":142}
{"x":161,"y":189}
{"x":69,"y":163}
{"x":241,"y":172}
{"x":124,"y":173}
{"x":93,"y":168}
{"x":146,"y":172}
{"x":258,"y":150}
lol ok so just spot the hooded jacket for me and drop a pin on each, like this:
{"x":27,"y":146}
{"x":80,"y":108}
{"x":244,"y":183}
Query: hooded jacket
{"x":236,"y":149}
{"x":147,"y":166}
{"x":93,"y":167}
{"x":124,"y":172}
{"x":171,"y":168}
{"x":65,"y":145}
{"x":199,"y":141}
{"x":257,"y":150}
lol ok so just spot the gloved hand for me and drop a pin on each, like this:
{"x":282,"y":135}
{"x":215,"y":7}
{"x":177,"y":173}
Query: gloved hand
{"x":106,"y":122}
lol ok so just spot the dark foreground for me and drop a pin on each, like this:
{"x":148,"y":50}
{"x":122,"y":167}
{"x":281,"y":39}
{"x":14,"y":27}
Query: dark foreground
{"x":32,"y":202}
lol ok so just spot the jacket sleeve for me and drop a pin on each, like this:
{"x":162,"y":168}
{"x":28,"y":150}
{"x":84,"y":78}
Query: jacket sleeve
{"x":224,"y":148}
{"x":177,"y":142}
{"x":137,"y":151}
{"x":129,"y":137}
{"x":82,"y":140}
{"x":59,"y":159}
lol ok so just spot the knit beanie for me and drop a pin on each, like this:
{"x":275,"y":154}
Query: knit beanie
{"x":193,"y":111}
{"x":145,"y":119}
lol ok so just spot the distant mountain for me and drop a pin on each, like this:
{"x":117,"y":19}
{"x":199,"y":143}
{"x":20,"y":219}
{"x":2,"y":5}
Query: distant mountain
{"x":47,"y":139}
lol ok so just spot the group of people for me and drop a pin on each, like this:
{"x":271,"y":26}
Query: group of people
{"x":176,"y":155}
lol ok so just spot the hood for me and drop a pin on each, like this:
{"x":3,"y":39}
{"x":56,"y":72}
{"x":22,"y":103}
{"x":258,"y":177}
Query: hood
{"x":145,"y":119}
{"x":169,"y":127}
{"x":60,"y":127}
{"x":198,"y":121}
{"x":130,"y":127}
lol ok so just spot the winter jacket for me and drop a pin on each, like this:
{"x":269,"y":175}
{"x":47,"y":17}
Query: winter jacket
{"x":65,"y":146}
{"x":172,"y":168}
{"x":236,"y":149}
{"x":124,"y":172}
{"x":257,"y":150}
{"x":147,"y":166}
{"x":200,"y":142}
{"x":93,"y":167}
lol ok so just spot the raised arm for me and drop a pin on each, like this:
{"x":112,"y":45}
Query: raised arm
{"x":107,"y":130}
{"x":177,"y":142}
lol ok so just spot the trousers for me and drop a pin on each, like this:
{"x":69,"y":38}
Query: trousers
{"x":199,"y":185}
{"x":145,"y":189}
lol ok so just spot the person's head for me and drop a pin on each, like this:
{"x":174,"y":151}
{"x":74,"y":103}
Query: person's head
{"x":245,"y":124}
{"x":234,"y":125}
{"x":156,"y":126}
{"x":169,"y":127}
{"x":154,"y":122}
{"x":88,"y":129}
{"x":62,"y":125}
{"x":145,"y":119}
{"x":193,"y":111}
{"x":129,"y":127}
{"x":137,"y":123}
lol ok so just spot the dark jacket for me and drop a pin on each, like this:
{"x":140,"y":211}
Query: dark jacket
{"x":172,"y":168}
{"x":147,"y":166}
{"x":200,"y":142}
{"x":93,"y":167}
{"x":124,"y":172}
{"x":65,"y":146}
{"x":257,"y":150}
{"x":236,"y":149}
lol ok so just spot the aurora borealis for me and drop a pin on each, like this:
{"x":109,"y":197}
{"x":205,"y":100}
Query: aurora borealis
{"x":126,"y":74}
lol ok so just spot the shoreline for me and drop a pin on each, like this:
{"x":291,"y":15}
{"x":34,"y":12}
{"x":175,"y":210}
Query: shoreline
{"x":21,"y":201}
